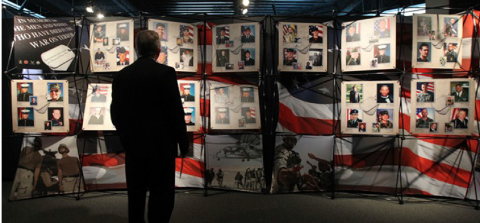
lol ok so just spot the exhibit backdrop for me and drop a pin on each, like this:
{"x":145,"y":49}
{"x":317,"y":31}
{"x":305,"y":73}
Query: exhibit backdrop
{"x":235,"y":162}
{"x":303,"y":163}
{"x":437,"y":41}
{"x":40,"y":106}
{"x":369,"y":44}
{"x":236,"y":48}
{"x":302,"y":47}
{"x":45,"y":44}
{"x":97,"y":107}
{"x":443,"y":106}
{"x":234,"y":107}
{"x":54,"y":172}
{"x":179,"y":43}
{"x":111,"y":45}
{"x":370,"y":107}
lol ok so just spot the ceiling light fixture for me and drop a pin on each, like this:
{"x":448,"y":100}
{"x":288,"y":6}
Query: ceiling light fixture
{"x":244,"y":11}
{"x":100,"y":15}
{"x":89,"y":9}
{"x":246,"y":3}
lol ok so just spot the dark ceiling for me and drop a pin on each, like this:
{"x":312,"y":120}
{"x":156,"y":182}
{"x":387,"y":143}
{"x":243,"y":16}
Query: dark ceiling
{"x":55,"y":8}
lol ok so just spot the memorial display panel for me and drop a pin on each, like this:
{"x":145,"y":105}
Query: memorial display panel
{"x":97,"y":108}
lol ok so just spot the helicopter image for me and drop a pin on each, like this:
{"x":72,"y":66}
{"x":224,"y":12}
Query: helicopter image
{"x":246,"y":148}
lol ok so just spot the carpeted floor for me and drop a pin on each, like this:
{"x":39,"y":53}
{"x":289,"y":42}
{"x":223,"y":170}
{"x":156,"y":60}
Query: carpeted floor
{"x":231,"y":207}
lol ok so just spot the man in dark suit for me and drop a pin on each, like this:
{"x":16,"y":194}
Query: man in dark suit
{"x":384,"y":96}
{"x":461,"y":95}
{"x":247,"y":38}
{"x":222,"y":38}
{"x":186,"y":93}
{"x":248,"y":61}
{"x":354,"y":95}
{"x":461,"y":122}
{"x":150,"y":146}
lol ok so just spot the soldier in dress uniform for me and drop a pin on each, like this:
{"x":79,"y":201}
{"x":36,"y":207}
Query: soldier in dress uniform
{"x":222,"y":116}
{"x":24,"y":120}
{"x":382,"y":58}
{"x":186,"y":93}
{"x":122,"y":32}
{"x":24,"y":95}
{"x":246,"y":94}
{"x":68,"y":171}
{"x":188,"y":116}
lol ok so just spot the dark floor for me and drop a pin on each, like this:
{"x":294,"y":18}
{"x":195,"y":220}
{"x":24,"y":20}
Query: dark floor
{"x":231,"y":207}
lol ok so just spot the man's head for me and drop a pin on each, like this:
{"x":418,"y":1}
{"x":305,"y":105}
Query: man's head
{"x":384,"y":90}
{"x":62,"y":148}
{"x":458,"y":88}
{"x":353,"y":114}
{"x":98,"y":111}
{"x":47,"y":124}
{"x":185,"y":31}
{"x":222,"y":112}
{"x":34,"y":100}
{"x":98,"y":50}
{"x":248,"y":31}
{"x":351,"y":30}
{"x":424,"y":87}
{"x":221,"y":90}
{"x":315,"y":33}
{"x":424,"y":113}
{"x":462,"y":114}
{"x":55,"y":91}
{"x":99,"y":28}
{"x":291,"y":141}
{"x":362,"y":126}
{"x":246,"y":92}
{"x":354,"y":53}
{"x":222,"y":32}
{"x":382,"y":49}
{"x":122,"y":54}
{"x":25,"y":113}
{"x":452,"y":21}
{"x":247,"y":54}
{"x":188,"y":114}
{"x":384,"y":115}
{"x":148,"y":44}
{"x":57,"y":114}
{"x":223,"y":52}
{"x":123,"y":28}
{"x":162,"y":57}
{"x":433,"y":126}
{"x":423,"y":50}
{"x":382,"y":24}
{"x":186,"y":89}
{"x":290,"y":30}
{"x":308,"y":63}
{"x":248,"y":114}
{"x":451,"y":47}
{"x":290,"y":54}
{"x":160,"y":30}
{"x":24,"y":88}
{"x":37,"y":143}
{"x":187,"y":52}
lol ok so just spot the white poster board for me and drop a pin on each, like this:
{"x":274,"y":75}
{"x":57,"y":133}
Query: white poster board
{"x":40,"y":106}
{"x":190,"y":96}
{"x":234,"y":107}
{"x":111,"y":45}
{"x":437,"y":41}
{"x":370,"y":107}
{"x":179,"y":44}
{"x":236,"y":48}
{"x":443,"y":106}
{"x":97,"y":108}
{"x":303,"y":47}
{"x":369,"y":44}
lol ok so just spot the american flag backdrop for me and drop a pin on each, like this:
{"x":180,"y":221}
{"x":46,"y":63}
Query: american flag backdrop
{"x":430,"y":87}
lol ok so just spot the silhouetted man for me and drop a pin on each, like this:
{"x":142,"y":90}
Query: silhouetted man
{"x":150,"y":153}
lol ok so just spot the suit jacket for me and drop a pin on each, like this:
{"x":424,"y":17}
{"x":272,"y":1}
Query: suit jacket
{"x":353,"y":123}
{"x":221,"y":61}
{"x":250,"y":62}
{"x":250,"y":39}
{"x":188,"y":97}
{"x":313,"y":40}
{"x":25,"y":122}
{"x":24,"y":96}
{"x":129,"y":113}
{"x":463,"y":97}
{"x":384,"y":100}
{"x":250,"y":120}
{"x":126,"y":62}
{"x":353,"y":38}
{"x":383,"y":59}
{"x":458,"y":124}
{"x":222,"y":41}
{"x":354,"y":97}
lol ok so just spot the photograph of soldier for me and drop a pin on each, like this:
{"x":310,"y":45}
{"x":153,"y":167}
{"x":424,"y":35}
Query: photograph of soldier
{"x":460,"y":91}
{"x":221,"y":95}
{"x":122,"y":56}
{"x":353,"y":118}
{"x":361,"y":127}
{"x":241,"y":122}
{"x":105,"y":41}
{"x":450,"y":101}
{"x":186,"y":33}
{"x":382,"y":53}
{"x":285,"y":162}
{"x":122,"y":31}
{"x":99,"y":57}
{"x":381,"y":28}
{"x":385,"y":93}
{"x":222,"y":35}
{"x":96,"y":116}
{"x":315,"y":34}
{"x":353,"y":56}
{"x":424,"y":25}
{"x":353,"y":34}
{"x":316,"y":55}
{"x":223,"y":57}
{"x":431,"y":35}
{"x":450,"y":28}
{"x":33,"y":100}
{"x":98,"y":95}
{"x":449,"y":127}
{"x":229,"y":43}
{"x":116,"y":41}
{"x":308,"y":66}
{"x":163,"y":56}
{"x":229,"y":66}
{"x":48,"y":125}
{"x":355,"y":93}
{"x":187,"y":92}
{"x":26,"y":117}
{"x":248,"y":34}
{"x":423,"y":51}
{"x":247,"y":56}
{"x":24,"y":90}
{"x":28,"y":171}
{"x":425,"y":91}
{"x":433,"y":127}
{"x":68,"y":171}
{"x":290,"y":34}
{"x":161,"y":30}
{"x":375,"y":127}
{"x":425,"y":116}
{"x":56,"y":116}
{"x":460,"y":118}
{"x":290,"y":56}
{"x":450,"y":51}
{"x":48,"y":180}
{"x":99,"y":33}
{"x":247,"y":94}
{"x":383,"y":117}
{"x":249,"y":114}
{"x":186,"y":57}
{"x":223,"y":115}
{"x":189,"y":115}
{"x":55,"y":90}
